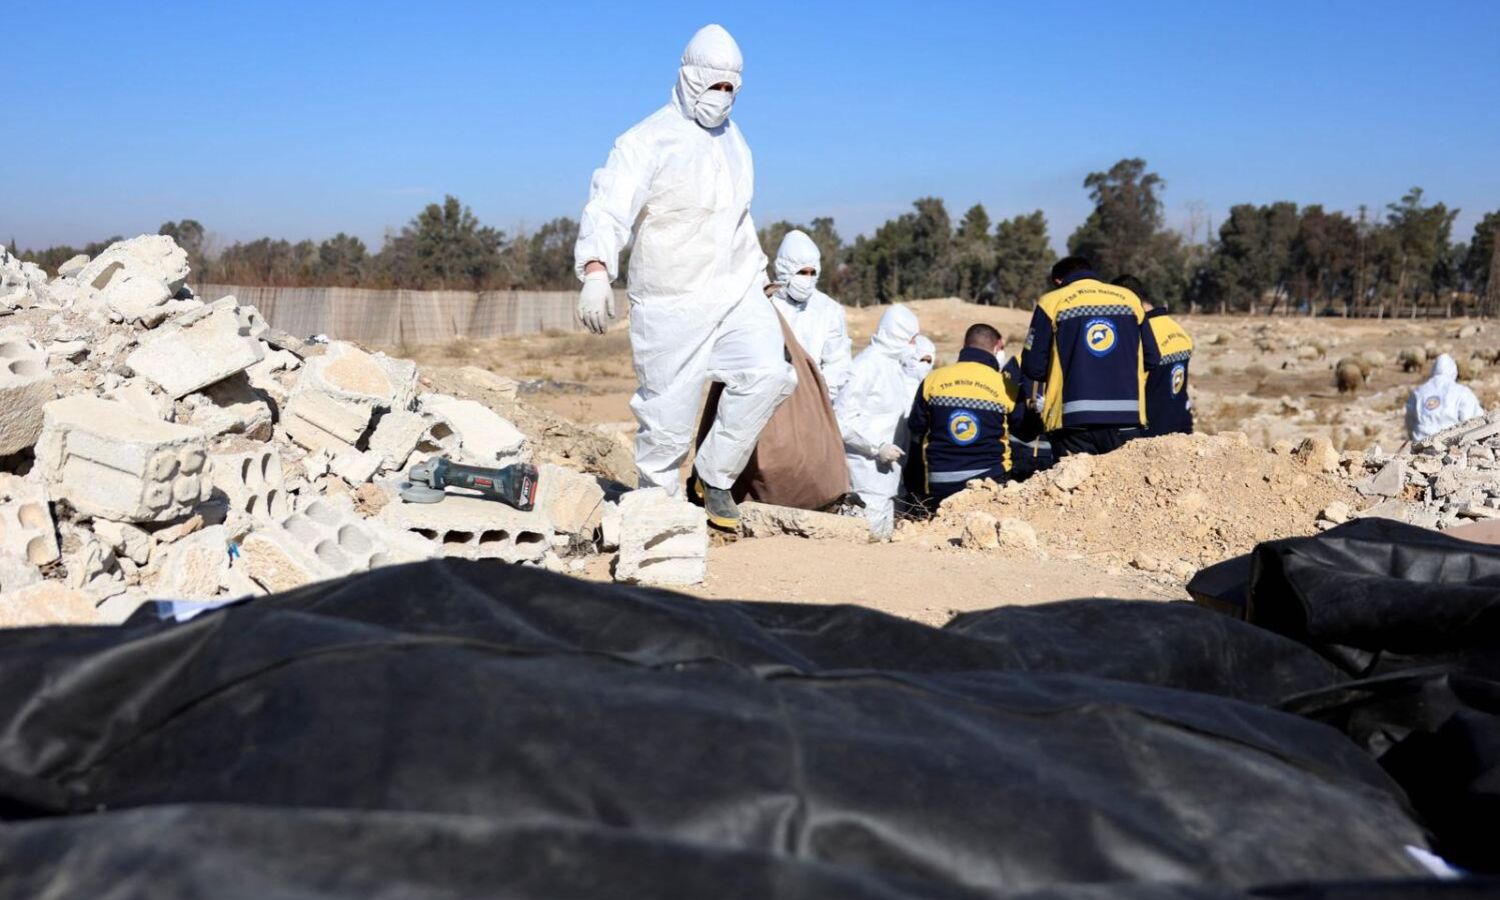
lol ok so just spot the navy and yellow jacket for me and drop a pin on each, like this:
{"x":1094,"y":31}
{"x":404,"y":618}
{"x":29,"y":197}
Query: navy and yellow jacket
{"x":959,"y":424}
{"x":1167,"y":408}
{"x":1088,"y":345}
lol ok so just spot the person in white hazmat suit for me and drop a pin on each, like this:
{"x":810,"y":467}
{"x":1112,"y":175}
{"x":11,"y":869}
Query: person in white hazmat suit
{"x":814,"y":317}
{"x":1440,"y":402}
{"x":681,"y":181}
{"x":872,"y":411}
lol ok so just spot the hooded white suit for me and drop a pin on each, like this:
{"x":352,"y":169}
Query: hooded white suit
{"x":1440,"y":402}
{"x":817,"y":319}
{"x":697,"y":311}
{"x":872,"y":411}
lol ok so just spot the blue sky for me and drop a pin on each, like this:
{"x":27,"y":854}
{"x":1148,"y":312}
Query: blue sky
{"x":303,"y":119}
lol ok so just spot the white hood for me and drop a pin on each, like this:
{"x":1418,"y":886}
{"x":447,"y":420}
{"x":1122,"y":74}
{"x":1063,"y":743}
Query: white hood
{"x":797,"y":252}
{"x":897,"y":327}
{"x":1444,"y":368}
{"x":711,"y":56}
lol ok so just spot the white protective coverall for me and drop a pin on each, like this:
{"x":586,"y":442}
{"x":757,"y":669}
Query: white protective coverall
{"x":1440,"y":402}
{"x":814,"y":317}
{"x":872,"y":411}
{"x":697,"y":305}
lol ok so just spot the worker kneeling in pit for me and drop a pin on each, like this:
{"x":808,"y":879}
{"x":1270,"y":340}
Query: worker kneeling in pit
{"x":959,"y":421}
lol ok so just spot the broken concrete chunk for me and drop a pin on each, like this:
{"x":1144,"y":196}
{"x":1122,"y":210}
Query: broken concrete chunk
{"x":319,"y":421}
{"x":106,"y":461}
{"x":349,"y":373}
{"x":125,"y":539}
{"x":27,"y":530}
{"x":609,"y":527}
{"x":765,"y":520}
{"x":471,"y":432}
{"x":251,"y":482}
{"x":45,"y":603}
{"x":195,"y":350}
{"x":396,"y":436}
{"x":572,"y":502}
{"x":663,"y":540}
{"x":137,"y":298}
{"x":1016,"y":534}
{"x":150,"y":255}
{"x":231,"y":406}
{"x":73,"y":266}
{"x":194,"y":567}
{"x":356,"y":466}
{"x":25,"y":387}
{"x":1387,"y":482}
{"x":495,"y":384}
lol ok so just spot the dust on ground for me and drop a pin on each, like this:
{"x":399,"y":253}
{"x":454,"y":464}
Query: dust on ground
{"x":1165,"y":505}
{"x":925,"y":581}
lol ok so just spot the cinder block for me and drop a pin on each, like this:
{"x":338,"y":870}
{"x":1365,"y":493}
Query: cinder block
{"x":195,"y":350}
{"x":106,"y":461}
{"x":663,"y":540}
{"x":473,"y":528}
{"x":27,"y":530}
{"x":252,"y":482}
{"x":349,"y":373}
{"x":25,"y":387}
{"x":231,"y":406}
{"x":324,"y":539}
{"x":321,"y":421}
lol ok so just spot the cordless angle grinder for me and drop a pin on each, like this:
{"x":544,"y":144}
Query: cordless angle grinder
{"x":512,"y":485}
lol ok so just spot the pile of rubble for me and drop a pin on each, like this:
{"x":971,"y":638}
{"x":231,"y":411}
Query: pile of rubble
{"x":155,"y":445}
{"x":1451,"y":479}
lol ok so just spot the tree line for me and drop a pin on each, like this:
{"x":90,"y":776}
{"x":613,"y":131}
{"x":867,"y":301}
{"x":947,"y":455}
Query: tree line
{"x":1262,"y":257}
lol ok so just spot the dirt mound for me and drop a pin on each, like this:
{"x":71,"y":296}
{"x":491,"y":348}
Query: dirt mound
{"x":1168,"y":504}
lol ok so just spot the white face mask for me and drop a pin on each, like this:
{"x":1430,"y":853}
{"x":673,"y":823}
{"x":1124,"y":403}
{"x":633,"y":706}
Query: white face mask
{"x":1000,"y":358}
{"x":800,"y":287}
{"x":711,"y":109}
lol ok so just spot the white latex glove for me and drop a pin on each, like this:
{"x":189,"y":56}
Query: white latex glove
{"x":889,"y":453}
{"x":596,"y":302}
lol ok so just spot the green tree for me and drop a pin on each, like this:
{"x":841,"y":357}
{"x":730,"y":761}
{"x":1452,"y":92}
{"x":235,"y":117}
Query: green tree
{"x":444,"y":246}
{"x":1480,"y":261}
{"x":1125,"y":232}
{"x":1023,"y":259}
{"x":973,"y":253}
{"x":1419,"y":252}
{"x":1254,"y":255}
{"x":551,"y":256}
{"x":1325,"y":256}
{"x":342,"y":259}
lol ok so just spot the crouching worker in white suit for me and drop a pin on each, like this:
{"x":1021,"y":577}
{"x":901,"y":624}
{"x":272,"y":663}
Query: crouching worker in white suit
{"x":682,"y":180}
{"x":814,"y":317}
{"x":1440,"y":402}
{"x":872,"y":412}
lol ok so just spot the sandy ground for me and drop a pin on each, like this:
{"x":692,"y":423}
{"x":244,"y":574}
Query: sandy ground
{"x":928,"y":584}
{"x":1271,"y":378}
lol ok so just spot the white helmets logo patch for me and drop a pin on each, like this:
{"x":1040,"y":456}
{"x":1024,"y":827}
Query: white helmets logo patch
{"x":1432,"y":403}
{"x":1100,"y":337}
{"x":1179,"y":378}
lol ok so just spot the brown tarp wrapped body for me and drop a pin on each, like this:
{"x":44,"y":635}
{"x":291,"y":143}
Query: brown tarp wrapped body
{"x":799,"y":459}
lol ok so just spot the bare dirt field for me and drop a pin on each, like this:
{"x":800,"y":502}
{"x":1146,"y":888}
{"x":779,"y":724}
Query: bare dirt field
{"x":1124,"y":534}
